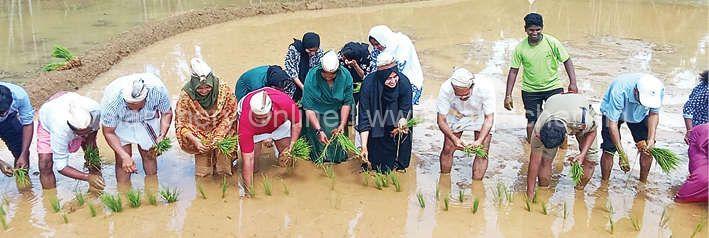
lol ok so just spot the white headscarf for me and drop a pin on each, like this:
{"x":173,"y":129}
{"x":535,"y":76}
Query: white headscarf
{"x":260,"y":103}
{"x":329,"y":62}
{"x":385,"y":58}
{"x":403,"y":50}
{"x":135,"y":91}
{"x":462,"y":78}
{"x":384,"y":36}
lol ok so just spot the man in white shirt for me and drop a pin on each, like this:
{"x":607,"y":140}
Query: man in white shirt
{"x":67,"y":122}
{"x":466,"y":102}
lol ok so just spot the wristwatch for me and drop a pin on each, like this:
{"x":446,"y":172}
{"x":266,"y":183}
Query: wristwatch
{"x":317,"y":131}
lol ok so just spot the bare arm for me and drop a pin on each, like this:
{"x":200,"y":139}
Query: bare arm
{"x":247,"y":172}
{"x":71,"y":172}
{"x":295,"y":129}
{"x":165,"y":122}
{"x":27,"y":133}
{"x":511,"y":78}
{"x":569,"y":66}
{"x":486,"y":127}
{"x":344,"y":115}
{"x":443,"y":126}
{"x":587,"y":142}
{"x":652,"y":120}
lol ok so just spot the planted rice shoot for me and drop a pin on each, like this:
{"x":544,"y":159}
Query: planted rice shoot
{"x":228,"y":145}
{"x":476,"y":204}
{"x":576,"y":172}
{"x":62,"y":52}
{"x":365,"y":179}
{"x":665,"y":218}
{"x":534,"y":199}
{"x":56,"y":206}
{"x":164,"y":145}
{"x":330,"y":173}
{"x":112,"y":202}
{"x":544,"y":208}
{"x":698,"y":228}
{"x":438,"y":192}
{"x":565,"y":211}
{"x":21,"y":177}
{"x":611,"y":223}
{"x":3,"y":222}
{"x":133,"y":198}
{"x":395,"y":182}
{"x":285,"y":188}
{"x":170,"y":195}
{"x":65,"y":218}
{"x":385,"y":181}
{"x":461,"y":196}
{"x":378,"y":183}
{"x":422,"y":202}
{"x":266,"y":185}
{"x":201,"y":191}
{"x":477,"y":151}
{"x":152,"y":199}
{"x":636,"y":224}
{"x":528,"y":204}
{"x":667,"y":159}
{"x":446,"y":200}
{"x":93,"y":157}
{"x":92,"y":210}
{"x":225,"y":185}
{"x":79,"y":196}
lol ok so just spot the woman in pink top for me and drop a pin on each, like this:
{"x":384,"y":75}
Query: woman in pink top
{"x":695,"y":188}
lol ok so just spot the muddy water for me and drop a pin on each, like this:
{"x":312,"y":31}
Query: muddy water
{"x":605,"y":38}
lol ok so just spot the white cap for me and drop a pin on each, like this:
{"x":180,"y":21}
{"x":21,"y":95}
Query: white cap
{"x":650,"y":90}
{"x":135,"y":91}
{"x":462,"y":78}
{"x":79,"y":117}
{"x":385,"y":58}
{"x":260,"y":103}
{"x":329,"y":62}
{"x":199,"y":67}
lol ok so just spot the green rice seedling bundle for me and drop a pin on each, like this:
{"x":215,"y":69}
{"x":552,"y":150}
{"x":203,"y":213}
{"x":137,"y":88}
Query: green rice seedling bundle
{"x":93,"y":158}
{"x":56,"y":206}
{"x":698,"y":228}
{"x":170,"y":195}
{"x":201,"y":191}
{"x":152,"y":199}
{"x":667,"y":159}
{"x":22,"y":177}
{"x":133,"y":198}
{"x":112,"y":202}
{"x":476,"y":151}
{"x":65,"y":218}
{"x":92,"y":210}
{"x":636,"y":224}
{"x":53,"y":66}
{"x":228,"y":145}
{"x":476,"y":203}
{"x":162,"y":146}
{"x":461,"y":196}
{"x":346,"y":144}
{"x":300,"y":150}
{"x":544,"y":208}
{"x":410,"y":123}
{"x":624,"y":162}
{"x":62,"y":52}
{"x":266,"y":185}
{"x":395,"y":182}
{"x":79,"y":196}
{"x":225,"y":185}
{"x":422,"y":202}
{"x":446,"y":200}
{"x":576,"y":172}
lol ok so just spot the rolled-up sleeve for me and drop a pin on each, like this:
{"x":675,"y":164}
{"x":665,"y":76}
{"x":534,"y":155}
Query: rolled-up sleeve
{"x":489,"y":100}
{"x":443,"y":105}
{"x":613,"y":104}
{"x":60,"y":149}
{"x":24,"y":107}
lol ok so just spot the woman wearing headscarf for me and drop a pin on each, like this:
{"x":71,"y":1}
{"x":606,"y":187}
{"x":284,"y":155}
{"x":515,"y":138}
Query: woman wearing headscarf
{"x":355,"y":57}
{"x":404,"y":52}
{"x":206,"y":112}
{"x":327,"y":100}
{"x":384,"y":108}
{"x":264,"y":76}
{"x":302,"y":55}
{"x":695,"y":112}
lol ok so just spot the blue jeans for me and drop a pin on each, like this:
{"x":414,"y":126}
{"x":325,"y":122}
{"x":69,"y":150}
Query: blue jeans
{"x":11,"y":134}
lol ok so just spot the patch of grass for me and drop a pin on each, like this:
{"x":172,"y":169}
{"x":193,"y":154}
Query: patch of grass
{"x":266,"y":185}
{"x":395,"y":182}
{"x":93,"y":158}
{"x":544,"y":208}
{"x":22,"y":177}
{"x":285,"y":188}
{"x":422,"y":202}
{"x":667,"y":159}
{"x":112,"y":202}
{"x":228,"y":145}
{"x":65,"y":218}
{"x":698,"y":228}
{"x":446,"y":200}
{"x":636,"y":224}
{"x":133,"y":198}
{"x":476,"y":203}
{"x":461,"y":196}
{"x":164,"y":145}
{"x":201,"y":191}
{"x":56,"y":206}
{"x":225,"y":185}
{"x":92,"y":210}
{"x":79,"y":197}
{"x":576,"y":172}
{"x":170,"y":195}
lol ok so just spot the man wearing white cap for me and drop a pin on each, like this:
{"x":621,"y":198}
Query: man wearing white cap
{"x":67,"y":122}
{"x":466,"y":102}
{"x":636,"y":99}
{"x":264,"y":114}
{"x":135,"y":109}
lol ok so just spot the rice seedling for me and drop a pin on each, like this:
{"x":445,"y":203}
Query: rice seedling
{"x":698,"y":228}
{"x":535,"y":198}
{"x":461,"y":196}
{"x":438,"y":192}
{"x":477,"y":151}
{"x":624,"y":162}
{"x":228,"y":145}
{"x":476,"y":203}
{"x":92,"y":210}
{"x":378,"y":183}
{"x":667,"y":159}
{"x":347,"y":144}
{"x":422,"y":202}
{"x":266,"y":185}
{"x":635,"y":223}
{"x":22,"y":177}
{"x":53,"y":66}
{"x":395,"y":182}
{"x":410,"y":123}
{"x":365,"y":179}
{"x":65,"y":218}
{"x":62,"y":52}
{"x":576,"y":172}
{"x":201,"y":191}
{"x":112,"y":202}
{"x":170,"y":195}
{"x":152,"y":199}
{"x":446,"y":200}
{"x":2,"y":210}
{"x":162,"y":146}
{"x":527,"y":203}
{"x":611,"y":223}
{"x":133,"y":198}
{"x":56,"y":206}
{"x":93,"y":158}
{"x":565,"y":211}
{"x":501,"y":193}
{"x":285,"y":188}
{"x":544,"y":208}
{"x":300,"y":150}
{"x":3,"y":222}
{"x":79,"y":197}
{"x":224,"y":187}
{"x":329,"y":171}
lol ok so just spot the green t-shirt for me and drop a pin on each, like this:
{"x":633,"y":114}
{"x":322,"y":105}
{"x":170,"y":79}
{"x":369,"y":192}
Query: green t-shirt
{"x":251,"y":80}
{"x":540,"y":63}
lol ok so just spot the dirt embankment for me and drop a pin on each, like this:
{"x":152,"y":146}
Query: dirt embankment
{"x":100,"y":59}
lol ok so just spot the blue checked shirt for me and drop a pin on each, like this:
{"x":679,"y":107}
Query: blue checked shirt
{"x":620,"y":104}
{"x":20,"y":105}
{"x":115,"y":110}
{"x":696,"y":106}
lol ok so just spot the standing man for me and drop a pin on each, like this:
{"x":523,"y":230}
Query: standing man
{"x":539,"y":54}
{"x":636,"y":99}
{"x":135,"y":109}
{"x":466,"y":102}
{"x":67,"y":122}
{"x":16,"y":125}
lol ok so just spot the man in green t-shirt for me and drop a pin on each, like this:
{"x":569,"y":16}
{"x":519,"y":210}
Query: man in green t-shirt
{"x":539,"y":54}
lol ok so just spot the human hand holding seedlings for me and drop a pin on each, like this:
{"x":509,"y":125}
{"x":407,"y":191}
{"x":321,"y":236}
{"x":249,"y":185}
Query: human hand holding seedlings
{"x":96,"y":182}
{"x":322,"y":137}
{"x":201,"y":148}
{"x":577,"y":158}
{"x":128,"y":164}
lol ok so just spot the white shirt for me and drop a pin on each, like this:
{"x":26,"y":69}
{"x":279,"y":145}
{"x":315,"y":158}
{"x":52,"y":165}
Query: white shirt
{"x":481,"y":102}
{"x":54,"y":115}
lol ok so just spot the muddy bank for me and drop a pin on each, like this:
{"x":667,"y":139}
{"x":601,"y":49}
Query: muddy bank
{"x":100,"y":59}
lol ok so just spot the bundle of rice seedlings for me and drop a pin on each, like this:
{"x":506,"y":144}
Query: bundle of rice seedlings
{"x":624,"y":162}
{"x":170,"y":195}
{"x":698,"y":228}
{"x":22,"y":177}
{"x":477,"y":151}
{"x":152,"y":199}
{"x":266,"y":185}
{"x":461,"y":196}
{"x":93,"y":158}
{"x":544,"y":208}
{"x":62,"y":52}
{"x":285,"y":188}
{"x":445,"y":203}
{"x":65,"y":218}
{"x":395,"y":182}
{"x":300,"y":150}
{"x":422,"y":202}
{"x":667,"y":159}
{"x":56,"y":206}
{"x":411,"y":123}
{"x":201,"y":191}
{"x":225,"y":185}
{"x":576,"y":172}
{"x":67,"y":59}
{"x":133,"y":198}
{"x":476,"y":203}
{"x":112,"y":202}
{"x":228,"y":145}
{"x":162,"y":146}
{"x":347,"y":144}
{"x":79,"y":196}
{"x":53,"y":66}
{"x":636,"y":224}
{"x":92,"y":210}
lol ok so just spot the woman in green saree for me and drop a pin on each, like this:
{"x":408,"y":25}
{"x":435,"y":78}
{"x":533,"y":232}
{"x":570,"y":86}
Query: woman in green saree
{"x":327,"y":101}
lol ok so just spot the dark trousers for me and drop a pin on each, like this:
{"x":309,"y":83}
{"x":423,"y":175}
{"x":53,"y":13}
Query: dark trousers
{"x":637,"y":130}
{"x":534,"y":101}
{"x":11,"y":134}
{"x":383,"y":152}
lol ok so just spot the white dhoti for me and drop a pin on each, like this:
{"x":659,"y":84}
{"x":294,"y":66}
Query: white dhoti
{"x":137,"y":133}
{"x":466,"y":123}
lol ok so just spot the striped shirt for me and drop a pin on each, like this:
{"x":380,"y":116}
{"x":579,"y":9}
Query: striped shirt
{"x":114,"y":109}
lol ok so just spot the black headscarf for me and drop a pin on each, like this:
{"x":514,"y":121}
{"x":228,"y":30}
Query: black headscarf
{"x":5,"y":98}
{"x":277,"y":78}
{"x":381,"y":106}
{"x":310,"y":40}
{"x":358,"y":52}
